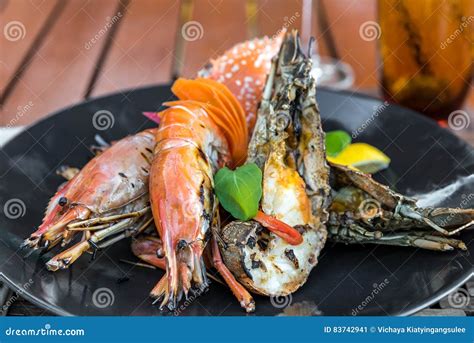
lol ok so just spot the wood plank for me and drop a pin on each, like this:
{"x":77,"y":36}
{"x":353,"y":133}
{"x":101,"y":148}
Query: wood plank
{"x":142,"y":51}
{"x":470,"y":286}
{"x":59,"y":73}
{"x":459,"y":299}
{"x":25,"y":19}
{"x":432,"y":312}
{"x":22,"y":307}
{"x":345,"y":19}
{"x":274,"y":15}
{"x":223,"y":24}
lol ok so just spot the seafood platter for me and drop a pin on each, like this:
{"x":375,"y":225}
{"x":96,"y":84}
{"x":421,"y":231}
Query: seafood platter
{"x":239,"y":191}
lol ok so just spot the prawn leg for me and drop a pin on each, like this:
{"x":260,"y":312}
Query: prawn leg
{"x":69,"y":256}
{"x":419,"y":239}
{"x":239,"y":291}
{"x":361,"y":203}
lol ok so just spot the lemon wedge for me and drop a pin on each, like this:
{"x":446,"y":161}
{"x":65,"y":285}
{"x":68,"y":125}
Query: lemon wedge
{"x":362,"y":156}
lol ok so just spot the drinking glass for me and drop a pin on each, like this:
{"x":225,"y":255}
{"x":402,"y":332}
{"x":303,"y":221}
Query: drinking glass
{"x":327,"y":71}
{"x":427,"y":53}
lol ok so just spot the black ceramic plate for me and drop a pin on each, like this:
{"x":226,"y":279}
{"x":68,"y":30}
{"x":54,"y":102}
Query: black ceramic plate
{"x":365,"y":280}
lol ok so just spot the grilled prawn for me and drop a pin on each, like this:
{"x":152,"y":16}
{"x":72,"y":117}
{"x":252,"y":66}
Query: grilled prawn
{"x":287,"y":145}
{"x":106,"y":200}
{"x":195,"y":138}
{"x":207,"y":128}
{"x":365,"y":211}
{"x":203,"y":131}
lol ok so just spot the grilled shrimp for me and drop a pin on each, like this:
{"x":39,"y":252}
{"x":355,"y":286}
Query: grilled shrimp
{"x":149,"y":249}
{"x":203,"y":131}
{"x":287,"y":144}
{"x":192,"y":142}
{"x":107,"y":199}
{"x":207,"y":128}
{"x":365,"y":211}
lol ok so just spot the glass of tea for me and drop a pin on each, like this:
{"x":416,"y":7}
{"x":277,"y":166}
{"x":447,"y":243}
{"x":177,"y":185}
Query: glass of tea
{"x":427,"y":50}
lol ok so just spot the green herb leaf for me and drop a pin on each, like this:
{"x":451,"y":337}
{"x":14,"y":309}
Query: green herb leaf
{"x":336,"y":141}
{"x":239,"y":191}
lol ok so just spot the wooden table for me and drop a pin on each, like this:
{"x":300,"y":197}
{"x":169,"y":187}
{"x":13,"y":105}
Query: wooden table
{"x":58,"y":53}
{"x":68,"y":51}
